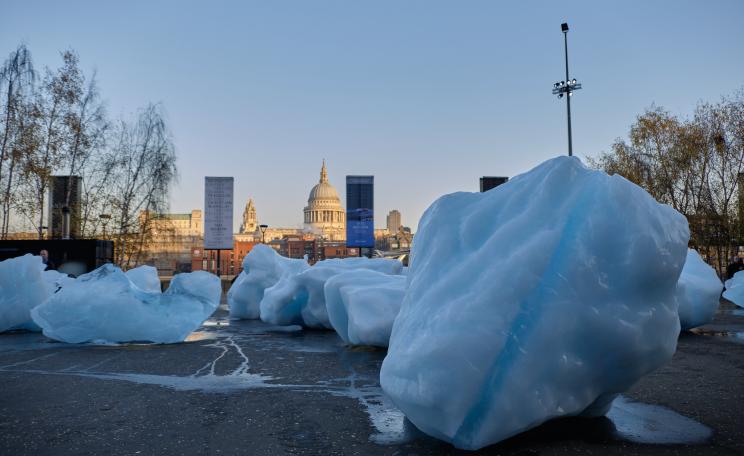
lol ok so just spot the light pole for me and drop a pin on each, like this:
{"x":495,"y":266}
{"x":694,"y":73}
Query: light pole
{"x":65,"y":222}
{"x":263,"y":233}
{"x":566,"y":87}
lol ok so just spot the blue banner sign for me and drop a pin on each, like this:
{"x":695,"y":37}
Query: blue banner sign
{"x":360,"y":223}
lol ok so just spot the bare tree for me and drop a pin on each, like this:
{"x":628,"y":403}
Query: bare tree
{"x":94,"y":201}
{"x":143,"y":161}
{"x":17,"y":78}
{"x":721,"y":129}
{"x":659,"y":156}
{"x":87,"y":125}
{"x":59,"y":92}
{"x":61,"y":127}
{"x":695,"y":166}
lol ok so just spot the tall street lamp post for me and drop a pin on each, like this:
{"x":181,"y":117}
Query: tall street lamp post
{"x":566,"y":87}
{"x":263,"y":233}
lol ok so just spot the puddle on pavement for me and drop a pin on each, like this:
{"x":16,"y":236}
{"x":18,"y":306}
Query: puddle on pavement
{"x":208,"y":382}
{"x":733,"y":336}
{"x":196,"y":336}
{"x":216,"y":322}
{"x":284,"y":329}
{"x":645,"y":423}
{"x":390,"y":424}
{"x":627,"y":420}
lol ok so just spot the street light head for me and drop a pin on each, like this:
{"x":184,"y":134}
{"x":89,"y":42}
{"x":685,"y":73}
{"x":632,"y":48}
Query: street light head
{"x":564,"y":27}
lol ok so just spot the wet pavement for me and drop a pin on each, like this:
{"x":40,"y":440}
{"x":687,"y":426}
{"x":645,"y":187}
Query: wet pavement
{"x":246,"y":387}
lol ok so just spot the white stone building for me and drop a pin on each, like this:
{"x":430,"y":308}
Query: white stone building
{"x":324,"y":215}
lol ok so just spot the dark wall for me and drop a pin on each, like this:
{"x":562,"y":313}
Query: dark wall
{"x":58,"y":189}
{"x":82,"y":255}
{"x":489,"y":182}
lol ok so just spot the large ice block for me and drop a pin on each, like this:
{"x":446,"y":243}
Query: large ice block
{"x":735,"y":289}
{"x":698,"y":292}
{"x":145,"y":277}
{"x":362,"y":305}
{"x":55,"y":280}
{"x":544,"y":297}
{"x":105,"y":306}
{"x":262,"y":269}
{"x":22,"y":287}
{"x":299,"y":299}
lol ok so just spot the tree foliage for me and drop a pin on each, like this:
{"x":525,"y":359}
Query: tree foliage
{"x":17,"y":78}
{"x":695,"y":165}
{"x":143,"y":164}
{"x":59,"y":126}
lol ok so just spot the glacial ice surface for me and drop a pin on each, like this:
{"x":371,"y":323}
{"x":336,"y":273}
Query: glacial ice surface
{"x":698,"y":292}
{"x":262,"y":269}
{"x":22,"y":287}
{"x":735,"y":289}
{"x":145,"y":277}
{"x":362,"y":305}
{"x":299,"y":299}
{"x":544,"y":297}
{"x":105,"y":306}
{"x":55,"y":280}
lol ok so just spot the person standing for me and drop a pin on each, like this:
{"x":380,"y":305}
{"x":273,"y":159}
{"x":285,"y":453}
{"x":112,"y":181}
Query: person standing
{"x":44,"y":254}
{"x":735,"y":266}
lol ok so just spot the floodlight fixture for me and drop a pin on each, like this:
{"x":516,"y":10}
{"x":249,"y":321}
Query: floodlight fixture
{"x":566,"y":87}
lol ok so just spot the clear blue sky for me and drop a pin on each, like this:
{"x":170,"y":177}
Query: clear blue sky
{"x":425,"y":95}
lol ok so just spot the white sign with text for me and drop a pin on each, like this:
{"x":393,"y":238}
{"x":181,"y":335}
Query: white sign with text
{"x":218,"y":213}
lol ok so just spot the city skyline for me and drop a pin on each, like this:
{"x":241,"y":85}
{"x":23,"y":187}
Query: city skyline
{"x":428,"y":97}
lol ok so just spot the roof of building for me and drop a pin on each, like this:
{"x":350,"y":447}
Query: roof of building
{"x":323,"y":190}
{"x":171,"y":216}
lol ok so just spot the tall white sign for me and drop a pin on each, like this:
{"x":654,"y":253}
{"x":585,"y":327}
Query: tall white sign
{"x":218,"y":213}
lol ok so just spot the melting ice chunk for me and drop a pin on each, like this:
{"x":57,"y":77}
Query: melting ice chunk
{"x":735,"y":289}
{"x":362,"y":305}
{"x":544,"y":297}
{"x":262,"y":269}
{"x":23,"y":286}
{"x":145,"y":277}
{"x":698,"y":292}
{"x":105,"y":306}
{"x":300,"y":298}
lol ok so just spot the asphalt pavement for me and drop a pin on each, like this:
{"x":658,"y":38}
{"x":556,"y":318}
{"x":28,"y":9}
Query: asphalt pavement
{"x":246,"y":387}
